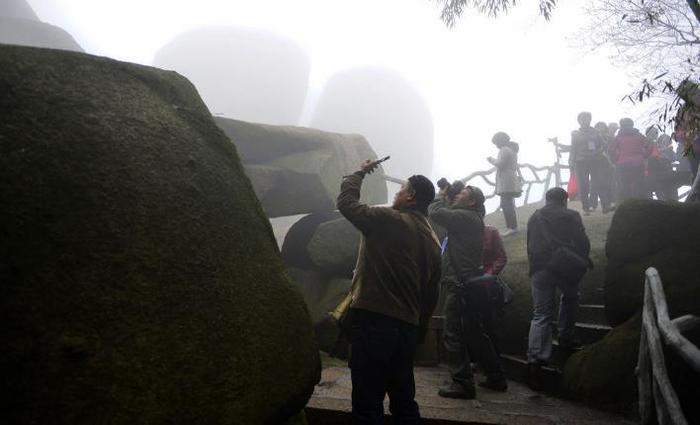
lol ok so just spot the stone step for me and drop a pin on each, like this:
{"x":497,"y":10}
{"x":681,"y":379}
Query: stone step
{"x":517,"y":369}
{"x":589,"y":333}
{"x":592,"y":313}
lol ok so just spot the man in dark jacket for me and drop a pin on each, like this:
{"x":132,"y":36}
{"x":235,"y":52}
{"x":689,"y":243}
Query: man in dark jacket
{"x":549,"y":227}
{"x":465,"y":303}
{"x":395,"y":288}
{"x":588,"y":160}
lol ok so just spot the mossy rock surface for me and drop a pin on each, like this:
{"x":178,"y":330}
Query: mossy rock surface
{"x":664,"y":235}
{"x":303,"y":167}
{"x":602,"y":374}
{"x":140,"y":282}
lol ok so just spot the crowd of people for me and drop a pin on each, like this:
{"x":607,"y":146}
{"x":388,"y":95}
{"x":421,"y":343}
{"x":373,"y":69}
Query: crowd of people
{"x":404,"y":270}
{"x":611,"y":163}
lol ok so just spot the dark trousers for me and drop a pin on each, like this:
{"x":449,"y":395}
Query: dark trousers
{"x":593,"y":177}
{"x":632,"y":184}
{"x":508,"y":207}
{"x":381,"y":362}
{"x":464,"y":332}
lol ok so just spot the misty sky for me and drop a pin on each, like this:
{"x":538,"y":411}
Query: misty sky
{"x":517,"y":73}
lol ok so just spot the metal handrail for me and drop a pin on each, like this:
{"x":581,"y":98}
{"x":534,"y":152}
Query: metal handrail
{"x":656,"y":392}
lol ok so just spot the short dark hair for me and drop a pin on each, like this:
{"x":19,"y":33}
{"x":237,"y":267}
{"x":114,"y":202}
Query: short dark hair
{"x":584,"y":117}
{"x":557,"y":195}
{"x":477,"y":196}
{"x":425,"y":191}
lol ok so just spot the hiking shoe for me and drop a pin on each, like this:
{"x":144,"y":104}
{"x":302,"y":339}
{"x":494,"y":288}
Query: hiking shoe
{"x":509,"y":232}
{"x":500,"y":385}
{"x":457,"y":390}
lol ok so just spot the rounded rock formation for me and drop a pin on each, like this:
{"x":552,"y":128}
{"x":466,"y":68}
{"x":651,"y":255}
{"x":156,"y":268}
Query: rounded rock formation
{"x":245,"y":74}
{"x":139,"y":278}
{"x":385,"y":108}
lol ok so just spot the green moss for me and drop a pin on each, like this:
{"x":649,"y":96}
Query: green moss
{"x":664,"y":235}
{"x":140,"y":279}
{"x":603,"y":373}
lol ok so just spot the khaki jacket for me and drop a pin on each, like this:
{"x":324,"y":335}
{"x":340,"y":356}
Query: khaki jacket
{"x":398,"y":264}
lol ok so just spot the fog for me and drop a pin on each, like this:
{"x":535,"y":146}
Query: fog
{"x":518,"y":73}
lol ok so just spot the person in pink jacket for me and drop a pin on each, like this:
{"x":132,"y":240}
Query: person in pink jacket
{"x":629,"y":150}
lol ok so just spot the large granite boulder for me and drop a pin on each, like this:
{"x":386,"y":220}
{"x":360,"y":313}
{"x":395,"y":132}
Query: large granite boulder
{"x":664,"y":235}
{"x":333,"y":247}
{"x":385,"y":108}
{"x":20,"y":25}
{"x":248,"y":74}
{"x":139,"y":278}
{"x":320,"y":251}
{"x":297,"y":170}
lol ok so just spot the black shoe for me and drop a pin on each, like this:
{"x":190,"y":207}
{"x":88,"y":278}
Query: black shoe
{"x":570,"y":344}
{"x":534,"y":376}
{"x":457,"y":390}
{"x":500,"y":385}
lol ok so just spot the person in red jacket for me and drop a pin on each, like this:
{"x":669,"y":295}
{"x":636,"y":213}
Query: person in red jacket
{"x":494,"y":260}
{"x":630,"y":149}
{"x":494,"y":256}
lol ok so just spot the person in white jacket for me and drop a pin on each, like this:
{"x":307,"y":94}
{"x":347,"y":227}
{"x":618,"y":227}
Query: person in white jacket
{"x":508,"y":183}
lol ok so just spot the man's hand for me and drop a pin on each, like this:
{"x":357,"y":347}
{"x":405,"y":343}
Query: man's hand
{"x":491,"y":160}
{"x":368,"y":166}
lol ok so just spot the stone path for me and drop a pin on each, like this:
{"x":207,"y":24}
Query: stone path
{"x":518,"y":406}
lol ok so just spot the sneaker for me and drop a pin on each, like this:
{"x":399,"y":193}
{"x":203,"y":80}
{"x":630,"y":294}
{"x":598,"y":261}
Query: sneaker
{"x":509,"y":232}
{"x":457,"y":390}
{"x":500,"y":385}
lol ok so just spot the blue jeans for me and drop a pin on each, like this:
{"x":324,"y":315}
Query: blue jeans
{"x":544,"y":285}
{"x":381,"y":362}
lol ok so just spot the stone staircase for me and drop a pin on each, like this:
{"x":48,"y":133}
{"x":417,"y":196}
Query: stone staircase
{"x":591,"y":326}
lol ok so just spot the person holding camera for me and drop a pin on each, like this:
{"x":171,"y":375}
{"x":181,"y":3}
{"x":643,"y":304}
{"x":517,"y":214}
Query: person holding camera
{"x":466,"y":301}
{"x":395,"y":289}
{"x":557,"y":250}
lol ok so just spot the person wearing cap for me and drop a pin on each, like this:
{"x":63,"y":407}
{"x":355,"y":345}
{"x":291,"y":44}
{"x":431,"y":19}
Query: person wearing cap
{"x":466,"y":302}
{"x":394,"y":292}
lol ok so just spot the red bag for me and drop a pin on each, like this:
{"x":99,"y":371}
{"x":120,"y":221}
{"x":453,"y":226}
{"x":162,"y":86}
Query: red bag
{"x":572,"y":187}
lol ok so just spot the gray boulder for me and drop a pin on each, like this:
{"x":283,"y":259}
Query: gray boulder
{"x":248,"y":74}
{"x":643,"y":234}
{"x":385,"y":108}
{"x":333,"y":247}
{"x":140,"y":282}
{"x":297,"y":170}
{"x":25,"y":32}
{"x":17,"y":9}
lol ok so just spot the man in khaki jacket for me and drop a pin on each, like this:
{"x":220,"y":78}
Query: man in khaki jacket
{"x":395,"y":290}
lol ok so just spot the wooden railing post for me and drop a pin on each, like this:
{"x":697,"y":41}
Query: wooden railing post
{"x":652,"y":377}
